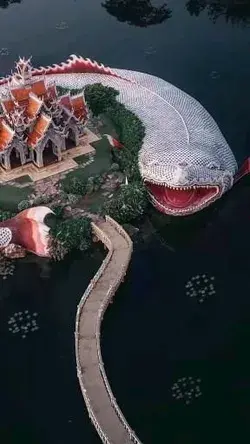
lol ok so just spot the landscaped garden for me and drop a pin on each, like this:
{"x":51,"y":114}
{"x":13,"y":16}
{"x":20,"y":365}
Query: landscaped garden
{"x":106,"y":183}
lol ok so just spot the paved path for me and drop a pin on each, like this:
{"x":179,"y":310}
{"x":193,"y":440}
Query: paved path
{"x":103,"y":410}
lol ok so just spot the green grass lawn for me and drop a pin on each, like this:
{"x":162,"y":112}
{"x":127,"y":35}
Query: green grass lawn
{"x":81,"y":159}
{"x":10,"y":196}
{"x":107,"y":127}
{"x":102,"y":162}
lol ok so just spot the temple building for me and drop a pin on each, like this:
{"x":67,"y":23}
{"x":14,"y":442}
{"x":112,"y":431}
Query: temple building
{"x":37,"y":124}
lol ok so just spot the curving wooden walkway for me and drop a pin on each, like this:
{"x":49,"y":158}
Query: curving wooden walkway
{"x":101,"y":404}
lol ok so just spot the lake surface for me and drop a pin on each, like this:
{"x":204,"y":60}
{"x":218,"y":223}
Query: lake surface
{"x":156,"y":333}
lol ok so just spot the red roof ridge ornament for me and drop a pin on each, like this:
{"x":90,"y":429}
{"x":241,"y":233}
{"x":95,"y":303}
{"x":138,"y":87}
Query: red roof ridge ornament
{"x":23,"y":72}
{"x":6,"y":135}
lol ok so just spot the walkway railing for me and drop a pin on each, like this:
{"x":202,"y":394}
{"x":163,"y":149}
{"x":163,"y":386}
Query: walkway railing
{"x":105,"y":300}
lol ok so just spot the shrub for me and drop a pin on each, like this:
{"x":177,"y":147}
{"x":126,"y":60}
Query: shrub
{"x":99,"y":98}
{"x":23,"y":205}
{"x":57,"y":250}
{"x":41,"y":199}
{"x":62,"y":90}
{"x":129,"y":203}
{"x":130,"y":132}
{"x":58,"y":210}
{"x":94,"y":183}
{"x":74,"y":185}
{"x":73,"y":233}
{"x":114,"y":167}
{"x":72,"y":199}
{"x":4,"y":215}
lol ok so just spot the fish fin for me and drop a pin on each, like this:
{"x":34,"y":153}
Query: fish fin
{"x":33,"y":232}
{"x":40,"y":234}
{"x":37,"y":214}
{"x":243,"y":171}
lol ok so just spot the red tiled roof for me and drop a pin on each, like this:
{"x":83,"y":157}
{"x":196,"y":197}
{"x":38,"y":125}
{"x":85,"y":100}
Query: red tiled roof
{"x":39,"y":130}
{"x":79,"y":107}
{"x":38,"y":88}
{"x":51,"y":92}
{"x":33,"y":107}
{"x":8,"y":106}
{"x":6,"y":135}
{"x":21,"y":94}
{"x":66,"y":102}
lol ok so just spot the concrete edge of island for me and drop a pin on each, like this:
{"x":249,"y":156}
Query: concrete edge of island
{"x":101,"y":404}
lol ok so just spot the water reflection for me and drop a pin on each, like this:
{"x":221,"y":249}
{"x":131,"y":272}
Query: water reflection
{"x":5,"y":3}
{"x":234,"y":11}
{"x":137,"y":12}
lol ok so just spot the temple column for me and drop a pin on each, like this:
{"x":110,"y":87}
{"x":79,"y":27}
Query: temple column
{"x":6,"y":162}
{"x":77,"y":138}
{"x":63,"y":144}
{"x":22,"y":155}
{"x":59,"y":154}
{"x":39,"y":157}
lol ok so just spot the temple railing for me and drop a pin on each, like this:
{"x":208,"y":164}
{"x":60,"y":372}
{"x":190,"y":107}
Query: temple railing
{"x":102,"y":236}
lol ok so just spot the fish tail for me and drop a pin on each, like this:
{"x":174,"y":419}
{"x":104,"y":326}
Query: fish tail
{"x":33,"y":232}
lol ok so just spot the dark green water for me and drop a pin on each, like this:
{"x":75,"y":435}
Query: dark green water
{"x":155,"y":333}
{"x":186,"y":314}
{"x":40,"y":398}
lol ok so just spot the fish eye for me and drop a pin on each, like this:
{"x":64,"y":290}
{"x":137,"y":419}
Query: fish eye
{"x":213,"y":166}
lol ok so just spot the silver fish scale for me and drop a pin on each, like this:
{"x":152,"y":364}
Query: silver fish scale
{"x":5,"y":237}
{"x":177,"y":128}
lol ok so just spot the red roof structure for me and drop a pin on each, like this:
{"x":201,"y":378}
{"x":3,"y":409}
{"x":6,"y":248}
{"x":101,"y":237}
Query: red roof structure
{"x":37,"y":123}
{"x":65,"y":101}
{"x":33,"y":106}
{"x":39,"y":88}
{"x":20,"y":94}
{"x":6,"y":135}
{"x":79,"y":107}
{"x":39,"y":130}
{"x":8,"y":105}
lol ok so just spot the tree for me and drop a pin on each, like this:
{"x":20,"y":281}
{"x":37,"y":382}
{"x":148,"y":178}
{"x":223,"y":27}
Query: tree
{"x":5,"y":3}
{"x":73,"y":233}
{"x":137,"y":12}
{"x":128,"y":204}
{"x":233,"y":12}
{"x":99,"y":98}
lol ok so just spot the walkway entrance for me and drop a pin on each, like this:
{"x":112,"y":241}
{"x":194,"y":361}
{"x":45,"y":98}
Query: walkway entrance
{"x":70,"y":140}
{"x":15,"y":159}
{"x":49,"y":156}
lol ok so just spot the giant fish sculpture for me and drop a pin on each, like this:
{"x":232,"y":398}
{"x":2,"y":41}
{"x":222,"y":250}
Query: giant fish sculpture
{"x":25,"y":232}
{"x":185,"y":162}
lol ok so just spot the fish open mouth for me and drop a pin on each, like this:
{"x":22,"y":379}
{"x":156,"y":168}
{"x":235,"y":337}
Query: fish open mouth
{"x":181,"y":200}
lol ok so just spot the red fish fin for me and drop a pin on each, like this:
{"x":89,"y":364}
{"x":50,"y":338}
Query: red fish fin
{"x":33,"y":232}
{"x":243,"y":171}
{"x":37,"y":214}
